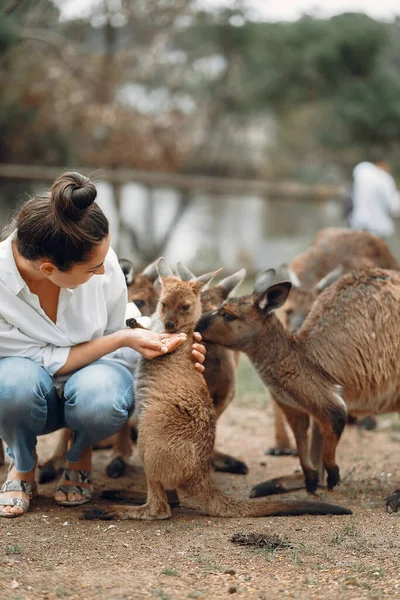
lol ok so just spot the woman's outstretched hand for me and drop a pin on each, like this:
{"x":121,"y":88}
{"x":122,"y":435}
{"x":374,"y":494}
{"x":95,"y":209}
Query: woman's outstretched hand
{"x":151,"y":344}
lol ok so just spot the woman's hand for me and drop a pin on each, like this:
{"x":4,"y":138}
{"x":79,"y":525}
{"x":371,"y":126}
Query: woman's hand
{"x":151,"y":344}
{"x":198,"y":353}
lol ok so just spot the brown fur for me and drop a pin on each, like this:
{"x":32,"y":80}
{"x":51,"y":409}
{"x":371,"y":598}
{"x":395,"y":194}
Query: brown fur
{"x":332,"y":248}
{"x":177,"y":424}
{"x":353,"y":250}
{"x":343,"y":358}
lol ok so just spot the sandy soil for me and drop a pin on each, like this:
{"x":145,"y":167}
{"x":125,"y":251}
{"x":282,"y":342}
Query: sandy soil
{"x":49,"y":553}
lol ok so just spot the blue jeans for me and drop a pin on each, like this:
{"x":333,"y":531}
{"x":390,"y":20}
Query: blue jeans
{"x":97,"y":401}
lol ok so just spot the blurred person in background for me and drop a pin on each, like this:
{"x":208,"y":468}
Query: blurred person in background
{"x":375,"y":198}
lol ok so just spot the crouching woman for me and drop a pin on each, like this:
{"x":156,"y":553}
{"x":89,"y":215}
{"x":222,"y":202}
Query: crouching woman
{"x":66,"y":357}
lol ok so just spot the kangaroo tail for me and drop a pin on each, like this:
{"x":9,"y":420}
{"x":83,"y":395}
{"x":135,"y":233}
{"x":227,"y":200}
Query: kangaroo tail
{"x":213,"y":502}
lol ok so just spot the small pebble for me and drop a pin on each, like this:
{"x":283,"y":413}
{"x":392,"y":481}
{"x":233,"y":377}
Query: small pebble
{"x":230,"y":572}
{"x":232,"y":589}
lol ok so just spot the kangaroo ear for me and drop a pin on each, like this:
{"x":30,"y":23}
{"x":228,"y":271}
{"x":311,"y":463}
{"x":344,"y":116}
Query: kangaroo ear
{"x":267,"y":295}
{"x":163,"y":268}
{"x":231,"y":283}
{"x":274,"y":297}
{"x":203,"y":281}
{"x":330,"y":278}
{"x":184,"y":273}
{"x":151,"y":271}
{"x":128,"y":270}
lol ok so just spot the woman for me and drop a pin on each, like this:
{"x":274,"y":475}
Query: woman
{"x":66,"y":357}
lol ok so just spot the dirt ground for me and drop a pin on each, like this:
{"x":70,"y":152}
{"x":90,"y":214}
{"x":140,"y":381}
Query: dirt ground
{"x":49,"y":553}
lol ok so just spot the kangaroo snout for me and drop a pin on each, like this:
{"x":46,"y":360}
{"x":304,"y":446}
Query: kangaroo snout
{"x":170,"y":325}
{"x":139,"y":303}
{"x":205,"y":322}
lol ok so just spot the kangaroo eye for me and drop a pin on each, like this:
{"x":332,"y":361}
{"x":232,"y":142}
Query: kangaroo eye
{"x":228,"y":317}
{"x":163,"y":304}
{"x":186,"y":307}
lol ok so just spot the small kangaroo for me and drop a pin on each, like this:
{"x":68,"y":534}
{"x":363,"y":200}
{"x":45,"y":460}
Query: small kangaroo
{"x":221,"y":364}
{"x":344,"y":357}
{"x":177,"y":423}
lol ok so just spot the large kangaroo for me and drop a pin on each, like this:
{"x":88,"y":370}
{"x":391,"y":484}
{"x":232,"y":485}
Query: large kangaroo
{"x":343,"y":358}
{"x":334,"y":252}
{"x":177,"y":423}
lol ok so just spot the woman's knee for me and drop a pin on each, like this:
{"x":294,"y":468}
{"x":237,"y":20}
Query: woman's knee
{"x":99,"y":395}
{"x":24,"y":386}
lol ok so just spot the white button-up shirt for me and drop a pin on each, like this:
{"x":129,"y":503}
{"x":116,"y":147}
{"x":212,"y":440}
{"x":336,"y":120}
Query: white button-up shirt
{"x":92,"y":310}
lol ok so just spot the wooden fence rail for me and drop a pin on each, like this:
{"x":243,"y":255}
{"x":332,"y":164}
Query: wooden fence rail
{"x":194,"y":183}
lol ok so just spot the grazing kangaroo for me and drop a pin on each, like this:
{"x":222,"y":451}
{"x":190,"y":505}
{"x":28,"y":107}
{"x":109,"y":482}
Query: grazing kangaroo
{"x":343,"y":358}
{"x":220,"y":364}
{"x":333,"y":253}
{"x":177,"y":423}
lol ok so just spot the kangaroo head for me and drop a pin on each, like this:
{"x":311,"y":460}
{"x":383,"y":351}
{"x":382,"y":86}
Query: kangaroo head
{"x":142,"y":289}
{"x":235,"y":322}
{"x":213,"y":296}
{"x":179,"y":306}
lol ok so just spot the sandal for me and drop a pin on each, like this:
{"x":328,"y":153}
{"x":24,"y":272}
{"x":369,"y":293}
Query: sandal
{"x":77,"y":477}
{"x":16,"y":485}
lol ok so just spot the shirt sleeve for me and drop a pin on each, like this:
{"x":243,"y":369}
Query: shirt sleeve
{"x":116,"y":312}
{"x":15,"y":343}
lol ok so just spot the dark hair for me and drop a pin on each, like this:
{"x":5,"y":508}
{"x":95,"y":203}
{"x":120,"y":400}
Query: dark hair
{"x":63,"y":225}
{"x":376,"y":154}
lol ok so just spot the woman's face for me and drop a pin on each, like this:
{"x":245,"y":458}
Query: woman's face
{"x":81,"y":272}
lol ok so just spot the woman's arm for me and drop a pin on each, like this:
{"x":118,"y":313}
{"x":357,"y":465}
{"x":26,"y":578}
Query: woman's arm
{"x":148,"y":343}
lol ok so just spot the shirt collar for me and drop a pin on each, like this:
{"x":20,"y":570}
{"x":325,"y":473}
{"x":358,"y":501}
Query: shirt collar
{"x":9,"y":273}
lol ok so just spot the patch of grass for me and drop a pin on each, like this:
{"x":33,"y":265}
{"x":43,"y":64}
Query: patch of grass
{"x":261,"y":541}
{"x":171,"y":572}
{"x":347,"y":531}
{"x":13,"y":549}
{"x":196,"y":594}
{"x":161,"y":594}
{"x":61,"y":592}
{"x":208,"y":565}
{"x":298,"y":551}
{"x":368,"y":571}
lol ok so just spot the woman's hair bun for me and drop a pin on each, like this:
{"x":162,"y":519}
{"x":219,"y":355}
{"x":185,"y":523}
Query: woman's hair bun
{"x":72,"y":193}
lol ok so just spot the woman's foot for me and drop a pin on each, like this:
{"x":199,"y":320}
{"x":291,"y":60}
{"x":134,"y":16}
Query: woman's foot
{"x":75,"y":486}
{"x":18,"y":490}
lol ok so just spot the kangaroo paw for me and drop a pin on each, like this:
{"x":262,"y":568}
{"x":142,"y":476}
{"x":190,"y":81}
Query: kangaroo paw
{"x":393,"y":502}
{"x":96,"y":514}
{"x":116,"y":468}
{"x":333,"y":477}
{"x":275,"y":451}
{"x":48,"y":472}
{"x":228,"y":464}
{"x":368,"y":424}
